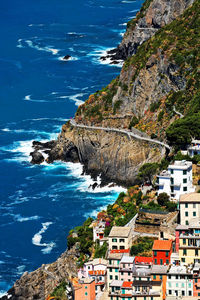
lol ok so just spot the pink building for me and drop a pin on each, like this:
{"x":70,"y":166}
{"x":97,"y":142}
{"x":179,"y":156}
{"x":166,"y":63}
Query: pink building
{"x":126,"y":268}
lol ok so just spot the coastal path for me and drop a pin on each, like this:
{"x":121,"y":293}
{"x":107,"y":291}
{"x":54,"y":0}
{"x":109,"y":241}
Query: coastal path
{"x":126,"y":132}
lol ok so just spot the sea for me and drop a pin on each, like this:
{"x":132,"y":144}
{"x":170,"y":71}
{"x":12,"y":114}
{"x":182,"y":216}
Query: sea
{"x":39,"y":92}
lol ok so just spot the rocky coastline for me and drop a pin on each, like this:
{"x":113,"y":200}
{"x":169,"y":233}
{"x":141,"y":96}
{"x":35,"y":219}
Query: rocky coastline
{"x":114,"y":157}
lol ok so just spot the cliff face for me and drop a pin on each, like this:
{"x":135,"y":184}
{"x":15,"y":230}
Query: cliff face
{"x":113,"y":155}
{"x":153,"y":15}
{"x":40,"y":283}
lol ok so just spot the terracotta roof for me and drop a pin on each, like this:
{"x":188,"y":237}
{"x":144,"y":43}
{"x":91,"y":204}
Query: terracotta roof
{"x":120,"y":251}
{"x":127,"y":284}
{"x":191,"y":197}
{"x":97,"y":272}
{"x":162,"y":245}
{"x":126,"y":295}
{"x":100,"y":283}
{"x":143,"y":259}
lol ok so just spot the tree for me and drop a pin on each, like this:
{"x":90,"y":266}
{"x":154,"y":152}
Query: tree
{"x":147,"y":171}
{"x":162,"y":199}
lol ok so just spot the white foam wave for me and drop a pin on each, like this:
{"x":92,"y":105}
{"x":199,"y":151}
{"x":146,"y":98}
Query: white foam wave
{"x":76,"y":170}
{"x":24,"y":43}
{"x":5,"y":129}
{"x":28,"y":98}
{"x":97,"y":54}
{"x":76,"y":99}
{"x":20,"y":219}
{"x":37,"y":238}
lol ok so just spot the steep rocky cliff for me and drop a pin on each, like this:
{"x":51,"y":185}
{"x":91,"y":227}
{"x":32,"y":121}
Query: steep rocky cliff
{"x":153,"y":15}
{"x":41,"y":282}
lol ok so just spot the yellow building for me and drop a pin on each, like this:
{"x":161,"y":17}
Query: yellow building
{"x":189,"y":243}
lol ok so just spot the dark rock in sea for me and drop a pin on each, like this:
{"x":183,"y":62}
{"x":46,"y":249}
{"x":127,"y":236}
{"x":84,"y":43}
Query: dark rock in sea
{"x":37,"y":157}
{"x":47,"y":145}
{"x":66,"y":57}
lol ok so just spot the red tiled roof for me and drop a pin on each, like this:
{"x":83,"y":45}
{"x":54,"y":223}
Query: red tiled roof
{"x":120,"y":251}
{"x":127,"y":284}
{"x":143,"y":259}
{"x":126,"y":295}
{"x":99,"y":283}
{"x":162,"y":245}
{"x":97,"y":272}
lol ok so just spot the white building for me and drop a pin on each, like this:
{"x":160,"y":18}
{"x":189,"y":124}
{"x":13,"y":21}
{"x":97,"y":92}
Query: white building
{"x":179,"y":281}
{"x":98,"y":230}
{"x":194,"y":148}
{"x":97,"y":264}
{"x":177,"y":180}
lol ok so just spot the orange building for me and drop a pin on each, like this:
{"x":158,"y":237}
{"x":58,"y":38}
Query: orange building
{"x":159,"y":273}
{"x":85,"y":289}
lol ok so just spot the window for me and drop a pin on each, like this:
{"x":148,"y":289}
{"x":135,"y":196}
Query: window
{"x":186,"y":223}
{"x":190,"y":293}
{"x":86,"y":287}
{"x":196,"y":252}
{"x":184,"y":241}
{"x":161,"y":277}
{"x":110,"y":262}
{"x":185,"y":180}
{"x":121,"y":240}
{"x":110,"y":269}
{"x":155,"y":260}
{"x":196,"y":280}
{"x":194,"y":214}
{"x":177,"y":284}
{"x":161,"y":261}
{"x":151,"y":298}
{"x":176,"y":276}
{"x":170,"y":292}
{"x":186,"y":205}
{"x":154,"y":276}
{"x":121,"y":247}
{"x":86,"y":293}
{"x":116,"y":277}
{"x":184,"y":251}
{"x":169,"y":276}
{"x":194,"y":205}
{"x":116,"y":270}
{"x":169,"y":284}
{"x":172,"y":180}
{"x":114,"y":240}
{"x":172,"y":171}
{"x":167,"y":253}
{"x":183,"y":285}
{"x":183,"y":293}
{"x":167,"y":261}
{"x":111,"y":277}
{"x":122,"y":273}
{"x":186,"y":213}
{"x":185,"y":188}
{"x":183,"y":259}
{"x":155,"y":253}
{"x":184,"y":172}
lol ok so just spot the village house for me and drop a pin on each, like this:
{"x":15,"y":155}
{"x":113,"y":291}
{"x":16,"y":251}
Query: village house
{"x":179,"y":281}
{"x":189,"y":243}
{"x":177,"y":180}
{"x":120,"y":238}
{"x":162,"y":250}
{"x":189,"y":208}
{"x":159,"y":273}
{"x":98,"y":229}
{"x":194,"y":148}
{"x":126,"y":268}
{"x":196,"y":280}
{"x":85,"y":289}
{"x":113,"y":266}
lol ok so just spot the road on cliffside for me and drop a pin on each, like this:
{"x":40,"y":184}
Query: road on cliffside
{"x":126,"y":132}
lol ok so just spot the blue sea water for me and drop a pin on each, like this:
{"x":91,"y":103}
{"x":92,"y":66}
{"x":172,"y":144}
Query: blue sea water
{"x":38,"y":93}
